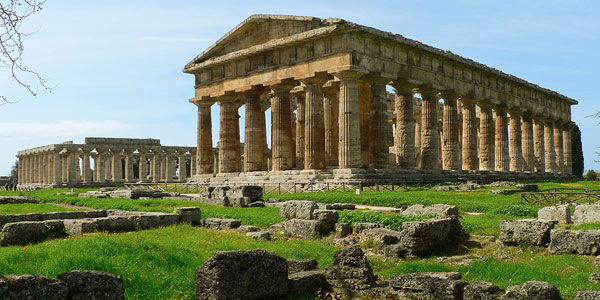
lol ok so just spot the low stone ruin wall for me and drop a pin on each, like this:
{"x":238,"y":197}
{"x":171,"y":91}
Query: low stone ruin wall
{"x":4,"y":219}
{"x":67,"y":286}
{"x":17,"y":200}
{"x":59,"y":225}
{"x":583,"y":213}
{"x":258,"y":274}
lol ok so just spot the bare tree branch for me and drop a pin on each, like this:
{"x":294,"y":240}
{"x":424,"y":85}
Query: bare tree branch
{"x":12,"y":15}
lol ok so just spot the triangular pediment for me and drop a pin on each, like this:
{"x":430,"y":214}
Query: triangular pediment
{"x":256,"y":30}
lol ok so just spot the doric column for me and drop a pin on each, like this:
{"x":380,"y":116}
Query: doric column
{"x":193,"y":163}
{"x":501,"y":146}
{"x":72,"y":162}
{"x":170,"y":168}
{"x":549,"y":146}
{"x":129,"y":167}
{"x":450,"y":149}
{"x":568,"y":157}
{"x":430,"y":136}
{"x":418,"y":140}
{"x":516,"y":153}
{"x":380,"y":149}
{"x":108,"y":165}
{"x":204,"y":148}
{"x":49,"y":167}
{"x":330,"y":116}
{"x":404,"y":142}
{"x":314,"y":131}
{"x":558,"y":147}
{"x":182,"y":167}
{"x":469,"y":135}
{"x":528,"y":144}
{"x":364,"y":104}
{"x":143,"y":167}
{"x":117,"y":167}
{"x":155,"y":171}
{"x":254,"y":132}
{"x":86,"y":168}
{"x":229,"y":143}
{"x":57,"y":168}
{"x":539,"y":145}
{"x":349,"y":154}
{"x":486,"y":138}
{"x":99,"y":167}
{"x":282,"y":131}
{"x":299,"y":94}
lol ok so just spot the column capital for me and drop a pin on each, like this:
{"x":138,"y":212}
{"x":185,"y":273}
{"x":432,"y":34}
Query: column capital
{"x":299,"y":92}
{"x":255,"y":91}
{"x":348,"y":74}
{"x":282,"y":85}
{"x":228,"y":97}
{"x":427,"y":91}
{"x":319,"y":79}
{"x":331,"y":87}
{"x":404,"y":85}
{"x":487,"y":103}
{"x":374,"y":78}
{"x":450,"y":95}
{"x":206,"y":101}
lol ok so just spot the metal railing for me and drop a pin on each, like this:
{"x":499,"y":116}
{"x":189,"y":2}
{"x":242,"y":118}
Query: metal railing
{"x":561,"y":196}
{"x":279,"y":188}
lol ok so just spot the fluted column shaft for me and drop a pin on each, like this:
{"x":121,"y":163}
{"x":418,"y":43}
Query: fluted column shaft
{"x":282,"y":131}
{"x":469,"y":138}
{"x":314,"y":131}
{"x":558,"y":147}
{"x":229,"y":143}
{"x":170,"y":167}
{"x":501,"y":146}
{"x":486,"y":138}
{"x":204,"y":148}
{"x":380,"y":149}
{"x":155,"y":167}
{"x":143,"y":167}
{"x":528,"y":144}
{"x":182,"y":168}
{"x":450,"y":149}
{"x":300,"y":115}
{"x":57,"y":166}
{"x":72,"y":163}
{"x":568,"y":157}
{"x":404,"y":142}
{"x":330,"y":117}
{"x":128,"y":167}
{"x":516,"y":152}
{"x":98,"y":167}
{"x":255,"y":137}
{"x":539,"y":145}
{"x":117,"y":168}
{"x":85,"y":165}
{"x":349,"y":121}
{"x":364,"y":103}
{"x":430,"y":136}
{"x":549,"y":147}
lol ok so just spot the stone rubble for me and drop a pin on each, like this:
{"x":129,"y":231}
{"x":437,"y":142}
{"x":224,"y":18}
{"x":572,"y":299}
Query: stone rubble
{"x":531,"y":231}
{"x":558,"y":213}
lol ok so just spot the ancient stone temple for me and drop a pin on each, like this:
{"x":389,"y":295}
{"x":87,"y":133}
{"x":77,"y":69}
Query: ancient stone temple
{"x":353,"y":102}
{"x":105,"y":161}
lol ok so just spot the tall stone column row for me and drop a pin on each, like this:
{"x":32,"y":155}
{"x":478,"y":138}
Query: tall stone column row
{"x":335,"y":126}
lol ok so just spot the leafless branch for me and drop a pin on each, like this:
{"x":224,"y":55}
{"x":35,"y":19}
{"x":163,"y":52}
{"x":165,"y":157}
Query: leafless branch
{"x":12,"y":15}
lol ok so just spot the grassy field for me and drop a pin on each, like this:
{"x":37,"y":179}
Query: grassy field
{"x":27,"y":208}
{"x":160,"y":264}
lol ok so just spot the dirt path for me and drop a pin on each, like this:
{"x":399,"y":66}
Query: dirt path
{"x":72,"y":206}
{"x":377,"y":208}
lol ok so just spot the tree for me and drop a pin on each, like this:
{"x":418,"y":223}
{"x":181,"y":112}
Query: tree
{"x":12,"y":15}
{"x":14,"y":172}
{"x":577,"y":151}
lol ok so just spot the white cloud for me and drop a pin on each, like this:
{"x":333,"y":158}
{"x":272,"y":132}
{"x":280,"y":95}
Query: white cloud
{"x":63,"y":128}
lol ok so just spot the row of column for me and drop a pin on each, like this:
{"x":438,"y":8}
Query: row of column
{"x":343,"y":123}
{"x":65,"y":166}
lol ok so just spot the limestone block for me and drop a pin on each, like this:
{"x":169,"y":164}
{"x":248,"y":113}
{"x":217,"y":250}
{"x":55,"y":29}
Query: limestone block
{"x":532,"y":231}
{"x":429,"y":285}
{"x":441,"y":210}
{"x":108,"y":224}
{"x":326,"y":215}
{"x":248,"y":228}
{"x":558,"y":213}
{"x":584,"y":242}
{"x":304,"y":282}
{"x":351,"y":271}
{"x":359,"y":227}
{"x":85,"y":285}
{"x":23,"y":233}
{"x":298,"y":209}
{"x":482,"y":291}
{"x":191,"y":215}
{"x":306,"y":228}
{"x":587,"y":295}
{"x":382,"y":236}
{"x":342,"y":229}
{"x":257,"y":204}
{"x":222,"y":224}
{"x":239,"y":201}
{"x":425,"y":237}
{"x":259,"y":235}
{"x":532,"y":290}
{"x":32,"y":287}
{"x":586,"y":213}
{"x":255,"y":274}
{"x":300,"y":265}
{"x":17,"y":199}
{"x":251,"y":191}
{"x":154,"y":220}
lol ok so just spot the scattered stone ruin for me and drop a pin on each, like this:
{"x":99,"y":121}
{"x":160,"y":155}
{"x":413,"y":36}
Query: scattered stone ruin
{"x":258,"y":274}
{"x":67,"y":286}
{"x":69,"y":164}
{"x":310,"y":71}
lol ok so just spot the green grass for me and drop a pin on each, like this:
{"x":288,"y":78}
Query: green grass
{"x":154,"y":264}
{"x":391,"y":221}
{"x":27,"y":208}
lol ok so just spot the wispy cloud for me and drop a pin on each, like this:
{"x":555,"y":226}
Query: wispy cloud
{"x":61,"y":129}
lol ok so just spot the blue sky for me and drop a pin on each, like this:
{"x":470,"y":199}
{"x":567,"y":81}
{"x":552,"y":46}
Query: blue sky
{"x":116,"y":65}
